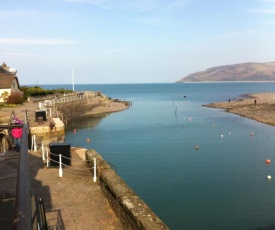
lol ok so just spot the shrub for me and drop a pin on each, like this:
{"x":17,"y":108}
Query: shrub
{"x":38,"y":91}
{"x":15,"y":98}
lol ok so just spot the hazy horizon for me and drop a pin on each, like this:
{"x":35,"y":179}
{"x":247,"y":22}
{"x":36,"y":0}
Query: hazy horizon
{"x":138,"y":41}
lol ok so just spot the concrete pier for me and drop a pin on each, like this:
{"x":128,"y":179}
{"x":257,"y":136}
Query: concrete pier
{"x":73,"y":201}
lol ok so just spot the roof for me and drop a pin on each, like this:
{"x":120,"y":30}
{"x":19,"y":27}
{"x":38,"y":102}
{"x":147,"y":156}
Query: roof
{"x":6,"y":80}
{"x":6,"y":69}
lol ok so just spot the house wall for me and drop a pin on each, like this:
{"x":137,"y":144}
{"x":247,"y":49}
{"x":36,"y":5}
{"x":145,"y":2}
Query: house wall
{"x":2,"y":91}
{"x":14,"y":88}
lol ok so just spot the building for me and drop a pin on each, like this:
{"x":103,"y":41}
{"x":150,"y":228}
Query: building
{"x":8,"y":82}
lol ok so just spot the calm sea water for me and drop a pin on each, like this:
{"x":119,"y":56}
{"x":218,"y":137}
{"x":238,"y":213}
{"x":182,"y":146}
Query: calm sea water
{"x":222,"y":185}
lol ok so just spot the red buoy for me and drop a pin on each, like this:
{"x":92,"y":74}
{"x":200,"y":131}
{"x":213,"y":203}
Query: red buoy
{"x":88,"y":139}
{"x":75,"y":130}
{"x":267,"y":161}
{"x":197,"y":147}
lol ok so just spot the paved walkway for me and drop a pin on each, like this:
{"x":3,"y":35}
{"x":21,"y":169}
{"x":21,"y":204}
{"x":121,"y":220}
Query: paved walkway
{"x":73,"y":201}
{"x":74,"y":198}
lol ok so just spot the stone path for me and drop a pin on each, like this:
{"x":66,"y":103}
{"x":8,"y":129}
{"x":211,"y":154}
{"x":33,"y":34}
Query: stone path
{"x":73,"y":201}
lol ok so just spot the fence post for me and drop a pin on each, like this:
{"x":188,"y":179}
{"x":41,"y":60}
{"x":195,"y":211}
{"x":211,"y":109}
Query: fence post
{"x":42,"y":148}
{"x":60,"y":166}
{"x":47,"y":155}
{"x":4,"y":150}
{"x":34,"y":144}
{"x":94,"y":169}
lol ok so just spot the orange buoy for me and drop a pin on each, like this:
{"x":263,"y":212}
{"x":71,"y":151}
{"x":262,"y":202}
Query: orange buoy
{"x":88,"y":139}
{"x":197,"y":147}
{"x":267,"y":161}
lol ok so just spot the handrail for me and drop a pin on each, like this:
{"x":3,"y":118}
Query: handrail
{"x":23,"y":213}
{"x":39,"y":220}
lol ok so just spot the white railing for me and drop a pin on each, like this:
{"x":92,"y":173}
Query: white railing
{"x":46,"y":156}
{"x":52,"y":102}
{"x":44,"y":105}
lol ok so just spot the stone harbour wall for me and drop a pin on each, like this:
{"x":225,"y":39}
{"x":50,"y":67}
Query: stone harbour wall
{"x":44,"y":134}
{"x":130,"y":209}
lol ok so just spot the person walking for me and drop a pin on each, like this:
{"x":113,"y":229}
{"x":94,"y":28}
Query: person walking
{"x":17,"y":134}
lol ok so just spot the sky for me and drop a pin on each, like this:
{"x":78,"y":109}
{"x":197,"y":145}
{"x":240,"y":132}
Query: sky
{"x":131,"y":41}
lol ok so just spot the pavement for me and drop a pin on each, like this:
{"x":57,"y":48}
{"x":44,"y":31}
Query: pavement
{"x":72,"y":201}
{"x":74,"y":197}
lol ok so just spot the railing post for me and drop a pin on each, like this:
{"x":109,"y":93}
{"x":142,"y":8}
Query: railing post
{"x":94,"y":169}
{"x":47,"y":152}
{"x":42,"y":149}
{"x":34,"y":144}
{"x":4,"y":150}
{"x":60,"y":166}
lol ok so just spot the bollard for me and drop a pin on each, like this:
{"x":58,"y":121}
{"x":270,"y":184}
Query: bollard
{"x":94,"y":169}
{"x":42,"y":148}
{"x":47,"y":152}
{"x":4,"y":150}
{"x":34,"y":144}
{"x":60,"y":166}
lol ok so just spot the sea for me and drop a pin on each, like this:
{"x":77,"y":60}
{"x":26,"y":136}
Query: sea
{"x":196,"y":167}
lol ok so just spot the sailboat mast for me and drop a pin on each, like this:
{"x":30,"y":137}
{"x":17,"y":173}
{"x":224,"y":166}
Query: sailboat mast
{"x":73,"y":78}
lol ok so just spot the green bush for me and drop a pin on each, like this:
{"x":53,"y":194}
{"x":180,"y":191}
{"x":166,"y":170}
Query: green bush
{"x":15,"y":98}
{"x":38,"y":91}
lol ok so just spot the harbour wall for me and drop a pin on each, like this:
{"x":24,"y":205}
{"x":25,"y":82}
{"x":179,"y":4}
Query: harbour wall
{"x":45,"y":134}
{"x":130,"y":209}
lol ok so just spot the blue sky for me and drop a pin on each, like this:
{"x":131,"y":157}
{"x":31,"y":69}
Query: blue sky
{"x":131,"y":41}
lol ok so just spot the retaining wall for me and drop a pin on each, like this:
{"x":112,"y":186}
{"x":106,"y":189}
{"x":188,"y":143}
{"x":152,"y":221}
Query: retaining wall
{"x":44,"y":134}
{"x":131,"y":210}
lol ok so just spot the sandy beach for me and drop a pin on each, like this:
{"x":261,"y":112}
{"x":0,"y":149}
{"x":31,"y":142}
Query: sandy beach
{"x":259,"y":107}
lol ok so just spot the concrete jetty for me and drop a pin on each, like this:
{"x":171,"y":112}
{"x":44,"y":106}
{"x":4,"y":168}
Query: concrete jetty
{"x":75,"y":200}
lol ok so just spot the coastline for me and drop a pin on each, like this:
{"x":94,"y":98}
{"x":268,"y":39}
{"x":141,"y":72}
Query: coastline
{"x":110,"y":108}
{"x":259,"y":107}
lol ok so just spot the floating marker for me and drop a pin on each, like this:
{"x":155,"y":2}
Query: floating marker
{"x":88,"y":139}
{"x":268,"y":177}
{"x":75,"y":130}
{"x":229,"y":133}
{"x":267,"y":161}
{"x":197,"y":147}
{"x":221,"y":136}
{"x":251,"y":134}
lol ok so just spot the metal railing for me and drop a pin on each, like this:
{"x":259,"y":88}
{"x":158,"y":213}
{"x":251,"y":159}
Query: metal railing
{"x":23,"y":213}
{"x":38,"y":214}
{"x":29,"y":214}
{"x":53,"y":102}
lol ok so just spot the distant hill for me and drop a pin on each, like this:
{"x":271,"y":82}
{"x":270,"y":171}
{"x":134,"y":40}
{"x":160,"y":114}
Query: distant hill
{"x":239,"y":72}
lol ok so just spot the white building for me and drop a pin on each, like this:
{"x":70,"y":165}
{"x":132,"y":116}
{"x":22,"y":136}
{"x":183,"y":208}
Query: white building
{"x":8,"y":82}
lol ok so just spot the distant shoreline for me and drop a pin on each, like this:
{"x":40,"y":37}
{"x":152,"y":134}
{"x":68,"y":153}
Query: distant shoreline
{"x":224,"y":82}
{"x":259,"y":107}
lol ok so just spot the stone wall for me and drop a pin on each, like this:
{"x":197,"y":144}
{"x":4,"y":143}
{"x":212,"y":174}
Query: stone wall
{"x":130,"y":209}
{"x":44,"y":134}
